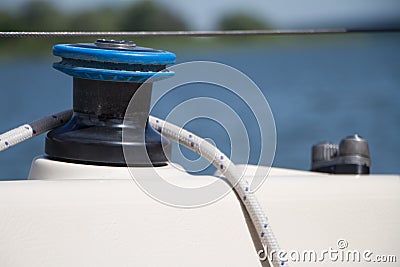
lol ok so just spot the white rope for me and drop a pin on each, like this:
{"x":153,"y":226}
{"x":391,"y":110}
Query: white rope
{"x":26,"y":131}
{"x":193,"y":142}
{"x":226,"y":166}
{"x":15,"y":136}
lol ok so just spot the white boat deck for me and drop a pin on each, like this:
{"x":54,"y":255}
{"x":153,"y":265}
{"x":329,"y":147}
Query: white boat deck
{"x":105,"y":219}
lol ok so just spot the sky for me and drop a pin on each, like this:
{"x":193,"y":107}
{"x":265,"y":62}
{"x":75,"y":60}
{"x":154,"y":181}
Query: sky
{"x":204,"y":14}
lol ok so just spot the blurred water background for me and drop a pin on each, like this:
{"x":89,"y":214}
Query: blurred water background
{"x":320,"y":88}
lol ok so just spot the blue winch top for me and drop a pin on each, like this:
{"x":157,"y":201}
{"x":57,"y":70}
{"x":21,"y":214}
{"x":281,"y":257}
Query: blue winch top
{"x":110,"y":60}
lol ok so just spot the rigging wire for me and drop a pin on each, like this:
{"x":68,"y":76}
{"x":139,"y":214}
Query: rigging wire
{"x":19,"y":34}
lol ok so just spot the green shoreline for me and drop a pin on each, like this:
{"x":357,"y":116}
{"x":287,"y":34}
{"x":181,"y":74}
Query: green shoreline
{"x":40,"y":47}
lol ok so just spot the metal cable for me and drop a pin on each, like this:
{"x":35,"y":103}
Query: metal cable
{"x":190,"y":33}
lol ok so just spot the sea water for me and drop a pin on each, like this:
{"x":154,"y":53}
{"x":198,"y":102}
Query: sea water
{"x":319,"y":89}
